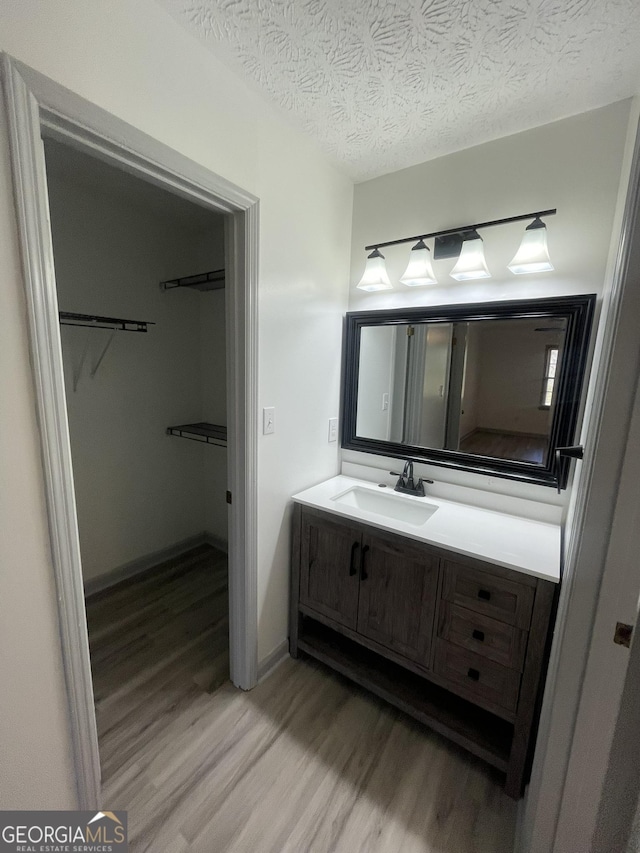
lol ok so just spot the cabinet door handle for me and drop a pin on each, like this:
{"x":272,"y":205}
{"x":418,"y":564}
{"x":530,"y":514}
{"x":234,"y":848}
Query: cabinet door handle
{"x":363,"y":555}
{"x":484,"y":594}
{"x":352,"y":562}
{"x":473,"y":674}
{"x":478,"y":635}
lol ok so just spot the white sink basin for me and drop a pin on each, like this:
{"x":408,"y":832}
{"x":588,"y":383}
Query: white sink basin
{"x":389,"y":505}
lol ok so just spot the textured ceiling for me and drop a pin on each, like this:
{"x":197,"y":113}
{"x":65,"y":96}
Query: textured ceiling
{"x":384,"y":85}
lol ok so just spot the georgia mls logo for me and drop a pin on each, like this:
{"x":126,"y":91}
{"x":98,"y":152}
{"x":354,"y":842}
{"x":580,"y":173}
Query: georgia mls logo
{"x":118,"y":830}
{"x":110,"y":815}
{"x":63,"y":832}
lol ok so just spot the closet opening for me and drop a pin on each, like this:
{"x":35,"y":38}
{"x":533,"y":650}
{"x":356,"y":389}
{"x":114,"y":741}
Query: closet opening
{"x":140,"y":278}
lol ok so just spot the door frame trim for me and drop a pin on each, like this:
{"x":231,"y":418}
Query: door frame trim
{"x":35,"y":104}
{"x":588,"y":531}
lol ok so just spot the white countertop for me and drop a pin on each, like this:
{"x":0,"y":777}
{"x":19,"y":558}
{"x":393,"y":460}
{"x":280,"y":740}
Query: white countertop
{"x":521,"y":544}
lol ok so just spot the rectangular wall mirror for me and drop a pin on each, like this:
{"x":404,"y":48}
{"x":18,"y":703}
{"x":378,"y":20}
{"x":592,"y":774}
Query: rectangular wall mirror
{"x":492,"y":387}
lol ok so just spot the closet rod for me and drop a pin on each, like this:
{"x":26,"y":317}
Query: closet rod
{"x":94,"y":321}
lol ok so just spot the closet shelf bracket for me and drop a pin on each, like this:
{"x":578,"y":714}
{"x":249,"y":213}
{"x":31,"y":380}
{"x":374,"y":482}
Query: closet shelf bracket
{"x":212,"y":280}
{"x":95,"y":321}
{"x":98,"y":361}
{"x":203,"y":432}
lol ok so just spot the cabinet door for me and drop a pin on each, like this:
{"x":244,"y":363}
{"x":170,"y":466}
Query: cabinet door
{"x":397,"y":596}
{"x":330,"y":558}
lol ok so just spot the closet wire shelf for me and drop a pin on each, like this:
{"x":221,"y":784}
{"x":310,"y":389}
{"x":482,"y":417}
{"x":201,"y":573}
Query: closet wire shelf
{"x":212,"y":280}
{"x":95,"y":321}
{"x":203,"y":432}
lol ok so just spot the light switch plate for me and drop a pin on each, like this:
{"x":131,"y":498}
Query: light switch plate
{"x":268,"y":420}
{"x":333,"y":430}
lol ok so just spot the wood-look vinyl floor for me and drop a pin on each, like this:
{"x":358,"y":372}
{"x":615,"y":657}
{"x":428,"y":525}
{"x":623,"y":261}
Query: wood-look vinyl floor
{"x":305,"y":762}
{"x":505,"y":445}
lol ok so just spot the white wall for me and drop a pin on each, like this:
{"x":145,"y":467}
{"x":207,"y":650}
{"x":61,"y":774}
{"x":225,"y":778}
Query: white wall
{"x":134,"y":61}
{"x":138,"y":491}
{"x":512,"y":363}
{"x":573,"y":165}
{"x":375,"y":379}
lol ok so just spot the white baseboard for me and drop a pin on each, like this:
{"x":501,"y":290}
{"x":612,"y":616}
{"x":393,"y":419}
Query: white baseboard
{"x":143,"y":564}
{"x":273,"y":660}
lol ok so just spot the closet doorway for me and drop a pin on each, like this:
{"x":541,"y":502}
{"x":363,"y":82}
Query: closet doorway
{"x":140,"y":275}
{"x":38,"y":109}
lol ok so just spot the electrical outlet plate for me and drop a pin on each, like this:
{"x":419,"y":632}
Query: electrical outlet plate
{"x":333,"y":430}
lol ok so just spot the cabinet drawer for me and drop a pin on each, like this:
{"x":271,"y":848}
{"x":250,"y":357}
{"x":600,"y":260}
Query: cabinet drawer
{"x":481,"y":680}
{"x":501,"y":598}
{"x":483,"y":635}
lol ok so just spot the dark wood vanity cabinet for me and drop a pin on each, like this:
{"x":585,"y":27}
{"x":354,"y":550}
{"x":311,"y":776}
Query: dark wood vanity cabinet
{"x":398,"y":587}
{"x":458,"y":643}
{"x":329,"y":573}
{"x":380,"y":586}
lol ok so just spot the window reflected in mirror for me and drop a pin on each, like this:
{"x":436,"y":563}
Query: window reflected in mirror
{"x":484,"y":387}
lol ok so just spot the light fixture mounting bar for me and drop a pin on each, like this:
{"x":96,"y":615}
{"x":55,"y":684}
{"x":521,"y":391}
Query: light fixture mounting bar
{"x":462,"y":229}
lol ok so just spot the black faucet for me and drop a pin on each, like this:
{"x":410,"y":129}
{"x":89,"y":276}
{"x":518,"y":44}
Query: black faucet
{"x":406,"y":483}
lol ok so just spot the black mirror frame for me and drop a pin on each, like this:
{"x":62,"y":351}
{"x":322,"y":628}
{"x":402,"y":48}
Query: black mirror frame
{"x":578,"y":311}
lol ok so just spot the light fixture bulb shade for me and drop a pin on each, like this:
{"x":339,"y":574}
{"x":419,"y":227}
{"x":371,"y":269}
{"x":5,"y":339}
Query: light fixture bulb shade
{"x":533,"y":254}
{"x":471,"y":263}
{"x":419,"y":271}
{"x":375,"y":275}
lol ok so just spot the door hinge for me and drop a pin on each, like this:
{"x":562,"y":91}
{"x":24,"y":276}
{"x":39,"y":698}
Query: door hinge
{"x":623,"y":634}
{"x":409,"y":331}
{"x":229,"y":497}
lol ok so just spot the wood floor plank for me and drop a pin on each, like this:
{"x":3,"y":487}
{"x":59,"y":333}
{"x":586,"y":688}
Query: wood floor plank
{"x":505,"y":445}
{"x":304,"y":763}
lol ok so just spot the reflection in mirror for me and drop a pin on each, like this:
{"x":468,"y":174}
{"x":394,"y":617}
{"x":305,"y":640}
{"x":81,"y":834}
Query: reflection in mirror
{"x":483,"y":387}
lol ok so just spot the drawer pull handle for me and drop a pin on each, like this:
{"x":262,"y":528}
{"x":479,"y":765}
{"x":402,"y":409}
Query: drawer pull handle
{"x":484,"y":594}
{"x":352,"y":564}
{"x":473,"y":674}
{"x":478,"y":635}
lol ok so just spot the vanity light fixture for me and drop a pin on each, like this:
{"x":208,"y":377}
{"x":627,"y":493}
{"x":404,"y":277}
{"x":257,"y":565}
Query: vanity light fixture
{"x":419,"y":271}
{"x":375,"y":275}
{"x":471,"y":263}
{"x":465,"y":244}
{"x":533,"y":254}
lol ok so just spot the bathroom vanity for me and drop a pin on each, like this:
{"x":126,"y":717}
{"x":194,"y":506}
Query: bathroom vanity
{"x":443,"y":604}
{"x":441,"y":608}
